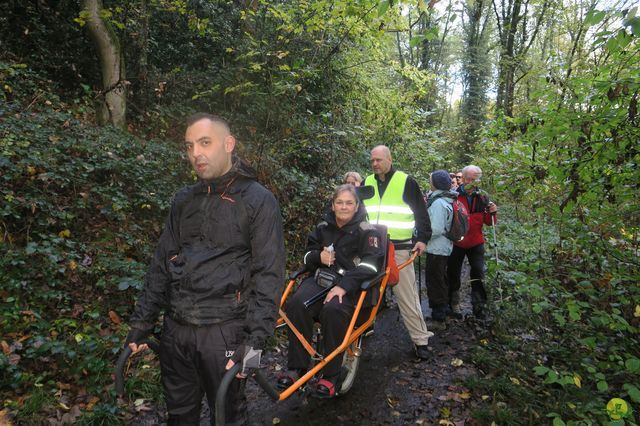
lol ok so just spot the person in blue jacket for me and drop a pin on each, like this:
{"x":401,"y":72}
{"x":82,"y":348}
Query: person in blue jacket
{"x":439,"y":247}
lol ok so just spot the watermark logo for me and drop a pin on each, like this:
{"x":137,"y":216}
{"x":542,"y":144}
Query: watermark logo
{"x":617,"y":408}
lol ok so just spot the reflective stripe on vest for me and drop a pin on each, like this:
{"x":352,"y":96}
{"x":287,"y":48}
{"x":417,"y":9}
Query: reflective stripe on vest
{"x":391,"y":210}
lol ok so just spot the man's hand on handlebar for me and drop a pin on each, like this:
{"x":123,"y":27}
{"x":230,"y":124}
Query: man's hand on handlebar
{"x":420,"y":247}
{"x":135,"y":348}
{"x":230,"y":365}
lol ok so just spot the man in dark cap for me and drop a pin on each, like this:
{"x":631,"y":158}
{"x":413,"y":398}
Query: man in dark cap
{"x":440,"y":209}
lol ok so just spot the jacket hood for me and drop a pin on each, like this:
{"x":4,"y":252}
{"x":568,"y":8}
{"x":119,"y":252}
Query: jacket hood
{"x":448,"y":195}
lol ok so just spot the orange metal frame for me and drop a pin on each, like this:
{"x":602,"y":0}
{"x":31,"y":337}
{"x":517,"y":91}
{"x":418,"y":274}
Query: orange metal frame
{"x":353,"y":332}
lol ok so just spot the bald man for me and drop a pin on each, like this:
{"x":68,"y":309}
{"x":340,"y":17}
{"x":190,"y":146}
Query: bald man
{"x":397,"y":203}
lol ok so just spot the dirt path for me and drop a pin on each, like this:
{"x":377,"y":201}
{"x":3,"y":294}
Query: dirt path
{"x":392,"y":386}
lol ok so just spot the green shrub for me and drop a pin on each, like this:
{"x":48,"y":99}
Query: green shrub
{"x":82,"y":208}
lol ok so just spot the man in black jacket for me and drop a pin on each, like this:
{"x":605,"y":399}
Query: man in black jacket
{"x":217,"y":273}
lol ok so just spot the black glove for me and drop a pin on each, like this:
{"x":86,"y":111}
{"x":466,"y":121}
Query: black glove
{"x":238,"y":354}
{"x":136,"y":335}
{"x":249,"y":357}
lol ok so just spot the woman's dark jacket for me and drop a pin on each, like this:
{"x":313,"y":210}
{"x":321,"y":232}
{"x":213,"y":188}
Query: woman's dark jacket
{"x":357,"y":245}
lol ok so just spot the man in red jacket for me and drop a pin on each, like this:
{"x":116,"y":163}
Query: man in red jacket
{"x":481,"y":210}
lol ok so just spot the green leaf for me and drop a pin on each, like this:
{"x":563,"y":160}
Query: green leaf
{"x":124,"y":284}
{"x":634,"y":392}
{"x":552,"y":377}
{"x":558,"y":422}
{"x":634,"y":23}
{"x":594,"y":17}
{"x":602,"y":386}
{"x":540,"y":370}
{"x":383,"y":7}
{"x":632,"y":365}
{"x":416,"y":40}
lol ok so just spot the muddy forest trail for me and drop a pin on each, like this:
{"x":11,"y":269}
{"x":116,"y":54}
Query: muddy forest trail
{"x":392,"y":386}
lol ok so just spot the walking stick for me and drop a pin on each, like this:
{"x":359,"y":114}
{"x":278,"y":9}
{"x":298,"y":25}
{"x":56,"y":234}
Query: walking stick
{"x":495,"y":245}
{"x":495,"y":240}
{"x":419,"y":280}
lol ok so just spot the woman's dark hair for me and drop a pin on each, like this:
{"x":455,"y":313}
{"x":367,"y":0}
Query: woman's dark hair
{"x":347,"y":187}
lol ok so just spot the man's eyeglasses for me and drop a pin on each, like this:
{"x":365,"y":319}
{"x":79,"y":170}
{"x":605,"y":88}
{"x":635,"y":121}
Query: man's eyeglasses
{"x":458,"y":177}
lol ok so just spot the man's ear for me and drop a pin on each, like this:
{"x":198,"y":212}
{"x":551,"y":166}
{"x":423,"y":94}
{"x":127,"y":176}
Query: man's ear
{"x":229,"y":143}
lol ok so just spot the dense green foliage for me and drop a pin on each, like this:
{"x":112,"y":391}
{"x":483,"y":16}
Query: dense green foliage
{"x":568,"y":328}
{"x":310,"y":87}
{"x":82,"y":208}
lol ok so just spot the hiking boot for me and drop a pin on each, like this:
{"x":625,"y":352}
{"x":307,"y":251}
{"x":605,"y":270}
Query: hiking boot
{"x":370,"y":332}
{"x":325,"y":388}
{"x":423,"y":352}
{"x":438,"y":325}
{"x":455,"y":311}
{"x":479,"y":312}
{"x":287,"y":378}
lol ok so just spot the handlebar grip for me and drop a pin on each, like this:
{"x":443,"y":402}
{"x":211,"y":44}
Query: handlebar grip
{"x":222,"y":392}
{"x":122,"y":361}
{"x":262,"y":381}
{"x":318,"y":297}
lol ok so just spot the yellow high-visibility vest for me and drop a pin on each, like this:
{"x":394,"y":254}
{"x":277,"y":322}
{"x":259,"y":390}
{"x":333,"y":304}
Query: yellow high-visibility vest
{"x":391,"y":210}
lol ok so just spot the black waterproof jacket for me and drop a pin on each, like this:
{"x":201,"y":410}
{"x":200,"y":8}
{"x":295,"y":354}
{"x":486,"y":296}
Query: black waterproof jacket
{"x":220,"y":258}
{"x":357,"y":245}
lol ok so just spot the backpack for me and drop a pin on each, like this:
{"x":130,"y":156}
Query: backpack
{"x":459,"y":222}
{"x":394,"y":272}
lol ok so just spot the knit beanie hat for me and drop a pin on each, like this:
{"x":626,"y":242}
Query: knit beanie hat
{"x":441,"y":180}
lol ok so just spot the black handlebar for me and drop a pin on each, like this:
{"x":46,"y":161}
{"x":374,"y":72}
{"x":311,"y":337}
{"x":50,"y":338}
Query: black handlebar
{"x":122,"y":361}
{"x":318,"y":297}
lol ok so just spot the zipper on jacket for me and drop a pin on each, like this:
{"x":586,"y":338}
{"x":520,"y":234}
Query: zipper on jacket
{"x":204,"y":210}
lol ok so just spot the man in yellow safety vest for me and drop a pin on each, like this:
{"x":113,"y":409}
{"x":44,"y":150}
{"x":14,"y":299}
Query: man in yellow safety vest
{"x":397,"y":203}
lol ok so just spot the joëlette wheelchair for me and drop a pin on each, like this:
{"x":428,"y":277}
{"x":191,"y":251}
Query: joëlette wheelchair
{"x":350,"y":349}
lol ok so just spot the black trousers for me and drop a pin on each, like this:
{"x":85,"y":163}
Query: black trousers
{"x":476,"y":261}
{"x":437,"y":286}
{"x":192,"y":362}
{"x":334,"y":318}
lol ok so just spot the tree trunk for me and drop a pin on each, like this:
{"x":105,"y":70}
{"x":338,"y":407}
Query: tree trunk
{"x":475,"y":71}
{"x":506,"y":80}
{"x":143,"y":61}
{"x":112,"y":107}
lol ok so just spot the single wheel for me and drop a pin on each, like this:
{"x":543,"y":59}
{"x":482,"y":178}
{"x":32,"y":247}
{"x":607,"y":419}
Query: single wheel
{"x":350,"y":362}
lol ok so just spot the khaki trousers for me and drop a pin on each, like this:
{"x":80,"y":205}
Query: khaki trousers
{"x":409,"y":301}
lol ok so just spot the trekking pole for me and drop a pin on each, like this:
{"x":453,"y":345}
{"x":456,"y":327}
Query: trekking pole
{"x":420,"y":280}
{"x":495,"y":239}
{"x":495,"y":245}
